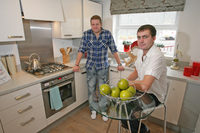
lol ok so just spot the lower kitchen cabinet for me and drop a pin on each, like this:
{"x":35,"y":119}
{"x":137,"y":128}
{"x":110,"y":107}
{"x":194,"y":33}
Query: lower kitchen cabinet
{"x":81,"y":86}
{"x":115,"y":75}
{"x":190,"y":112}
{"x":174,"y":102}
{"x":1,"y":128}
{"x":23,"y":110}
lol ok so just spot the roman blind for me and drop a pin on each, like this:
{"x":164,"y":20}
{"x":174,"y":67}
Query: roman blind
{"x":143,"y":6}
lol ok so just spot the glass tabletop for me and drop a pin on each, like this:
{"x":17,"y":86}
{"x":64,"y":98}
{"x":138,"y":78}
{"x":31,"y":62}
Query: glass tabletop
{"x":139,"y":106}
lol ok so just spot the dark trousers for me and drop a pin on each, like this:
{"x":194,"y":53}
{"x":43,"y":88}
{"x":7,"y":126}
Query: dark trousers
{"x":134,"y":124}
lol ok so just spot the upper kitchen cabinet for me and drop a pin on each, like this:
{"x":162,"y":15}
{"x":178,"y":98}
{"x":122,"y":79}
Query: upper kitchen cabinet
{"x":11,"y":26}
{"x":89,"y":9}
{"x":46,"y":10}
{"x":72,"y":25}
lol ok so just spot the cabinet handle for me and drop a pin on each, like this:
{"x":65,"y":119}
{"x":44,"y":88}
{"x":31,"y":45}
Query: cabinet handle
{"x":114,"y":71}
{"x":83,"y":72}
{"x":23,"y":96}
{"x":26,"y":122}
{"x":24,"y":110}
{"x":15,"y":36}
{"x":68,"y":35}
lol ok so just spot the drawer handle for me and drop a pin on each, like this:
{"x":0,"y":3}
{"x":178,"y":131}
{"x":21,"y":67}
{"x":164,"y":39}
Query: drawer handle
{"x":114,"y":71}
{"x":23,"y":96}
{"x":68,"y":35}
{"x":83,"y":72}
{"x":24,"y":110}
{"x":26,"y":122}
{"x":15,"y":36}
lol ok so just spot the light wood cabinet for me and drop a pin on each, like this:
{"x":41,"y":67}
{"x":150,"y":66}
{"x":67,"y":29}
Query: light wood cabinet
{"x":1,"y":129}
{"x":47,"y":10}
{"x":23,"y":110}
{"x":115,"y":75}
{"x":72,"y":25}
{"x":174,"y":102}
{"x":81,"y":86}
{"x":11,"y":26}
{"x":89,"y":9}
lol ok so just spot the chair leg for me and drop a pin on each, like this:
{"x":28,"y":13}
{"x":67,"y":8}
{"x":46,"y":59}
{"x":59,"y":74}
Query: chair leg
{"x":140,"y":122}
{"x":165,"y":118}
{"x":139,"y":126}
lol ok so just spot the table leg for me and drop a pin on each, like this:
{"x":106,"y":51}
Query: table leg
{"x":120,"y":113}
{"x":109,"y":126}
{"x":129,"y":127}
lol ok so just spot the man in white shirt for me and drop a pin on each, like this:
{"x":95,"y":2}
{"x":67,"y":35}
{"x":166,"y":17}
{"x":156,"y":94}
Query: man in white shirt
{"x":150,"y":70}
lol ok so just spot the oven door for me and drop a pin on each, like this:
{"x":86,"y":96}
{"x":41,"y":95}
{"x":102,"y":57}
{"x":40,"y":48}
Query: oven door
{"x":67,"y":93}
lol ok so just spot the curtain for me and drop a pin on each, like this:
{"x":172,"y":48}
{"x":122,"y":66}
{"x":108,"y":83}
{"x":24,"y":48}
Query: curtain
{"x":143,"y":6}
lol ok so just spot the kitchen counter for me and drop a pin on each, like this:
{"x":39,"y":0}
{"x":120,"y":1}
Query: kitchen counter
{"x":178,"y":75}
{"x":23,"y":79}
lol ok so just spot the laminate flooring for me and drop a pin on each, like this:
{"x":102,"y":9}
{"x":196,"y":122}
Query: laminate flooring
{"x":79,"y":121}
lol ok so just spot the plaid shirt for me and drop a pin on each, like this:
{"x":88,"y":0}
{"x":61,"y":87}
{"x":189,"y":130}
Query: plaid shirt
{"x":97,"y":49}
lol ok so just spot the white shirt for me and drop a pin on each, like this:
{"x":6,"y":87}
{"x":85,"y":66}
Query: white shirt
{"x":153,"y":64}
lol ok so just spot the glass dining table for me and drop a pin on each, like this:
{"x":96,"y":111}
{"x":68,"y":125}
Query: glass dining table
{"x":138,"y":107}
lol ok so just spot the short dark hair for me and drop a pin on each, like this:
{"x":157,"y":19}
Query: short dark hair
{"x":96,"y":17}
{"x":149,"y":27}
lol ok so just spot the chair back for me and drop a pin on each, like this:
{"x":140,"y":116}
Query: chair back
{"x":167,"y":93}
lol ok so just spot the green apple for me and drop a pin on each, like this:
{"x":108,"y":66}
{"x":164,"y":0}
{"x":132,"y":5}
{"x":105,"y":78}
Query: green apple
{"x":123,"y":84}
{"x":125,"y":95}
{"x":115,"y":91}
{"x":132,"y":90}
{"x":105,"y":89}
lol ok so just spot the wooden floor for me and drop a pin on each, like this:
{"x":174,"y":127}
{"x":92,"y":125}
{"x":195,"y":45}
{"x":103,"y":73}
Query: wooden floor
{"x":80,"y":122}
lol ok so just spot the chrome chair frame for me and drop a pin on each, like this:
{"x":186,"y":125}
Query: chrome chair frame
{"x":159,"y":106}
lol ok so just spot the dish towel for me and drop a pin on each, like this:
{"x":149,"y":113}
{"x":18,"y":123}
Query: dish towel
{"x":55,"y":99}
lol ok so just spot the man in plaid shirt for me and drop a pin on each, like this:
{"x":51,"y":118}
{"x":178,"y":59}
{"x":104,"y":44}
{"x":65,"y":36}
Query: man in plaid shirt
{"x":96,"y":42}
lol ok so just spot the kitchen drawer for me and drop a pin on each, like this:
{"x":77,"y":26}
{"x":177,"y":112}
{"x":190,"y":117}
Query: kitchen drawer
{"x":29,"y":123}
{"x":19,"y":96}
{"x":21,"y":109}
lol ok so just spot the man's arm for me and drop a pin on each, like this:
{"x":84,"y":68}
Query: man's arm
{"x":144,"y":84}
{"x":119,"y":67}
{"x":76,"y":68}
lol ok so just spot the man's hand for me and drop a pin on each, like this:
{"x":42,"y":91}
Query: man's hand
{"x":120,"y":68}
{"x":76,"y":68}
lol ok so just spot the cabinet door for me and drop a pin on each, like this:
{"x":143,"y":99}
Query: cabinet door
{"x":72,"y":26}
{"x":1,"y":129}
{"x":174,"y":102}
{"x":89,"y":9}
{"x":115,"y":75}
{"x":47,"y":10}
{"x":11,"y":26}
{"x":81,"y":86}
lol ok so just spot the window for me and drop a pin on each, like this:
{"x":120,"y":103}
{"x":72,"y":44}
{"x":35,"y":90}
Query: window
{"x":166,"y":24}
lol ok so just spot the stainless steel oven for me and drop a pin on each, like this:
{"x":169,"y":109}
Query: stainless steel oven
{"x":66,"y":86}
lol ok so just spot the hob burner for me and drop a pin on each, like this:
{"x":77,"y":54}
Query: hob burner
{"x":48,"y":68}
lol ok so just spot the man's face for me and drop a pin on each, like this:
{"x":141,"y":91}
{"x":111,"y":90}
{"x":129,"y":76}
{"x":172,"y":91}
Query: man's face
{"x":96,"y":26}
{"x":145,"y":40}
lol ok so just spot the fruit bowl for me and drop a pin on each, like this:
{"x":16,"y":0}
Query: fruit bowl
{"x":126,"y":96}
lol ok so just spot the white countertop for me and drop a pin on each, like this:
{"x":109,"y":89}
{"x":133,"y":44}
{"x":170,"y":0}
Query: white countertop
{"x":23,"y":79}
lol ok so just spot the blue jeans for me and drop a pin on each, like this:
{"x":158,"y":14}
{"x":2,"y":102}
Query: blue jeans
{"x":93,"y":77}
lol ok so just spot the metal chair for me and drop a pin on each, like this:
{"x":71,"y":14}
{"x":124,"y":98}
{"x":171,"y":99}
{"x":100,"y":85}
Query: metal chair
{"x":161,"y":105}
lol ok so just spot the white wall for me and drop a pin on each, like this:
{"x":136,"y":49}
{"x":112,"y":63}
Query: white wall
{"x":188,"y":31}
{"x":10,"y":48}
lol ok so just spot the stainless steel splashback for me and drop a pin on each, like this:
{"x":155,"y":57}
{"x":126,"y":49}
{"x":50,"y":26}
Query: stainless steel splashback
{"x":38,"y":35}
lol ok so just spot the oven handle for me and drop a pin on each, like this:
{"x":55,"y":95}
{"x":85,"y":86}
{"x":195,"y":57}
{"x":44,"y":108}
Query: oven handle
{"x":47,"y":90}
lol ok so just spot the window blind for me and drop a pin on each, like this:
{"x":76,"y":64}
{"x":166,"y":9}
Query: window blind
{"x":144,"y":6}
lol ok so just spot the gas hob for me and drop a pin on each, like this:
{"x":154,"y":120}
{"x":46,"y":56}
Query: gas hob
{"x":47,"y":69}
